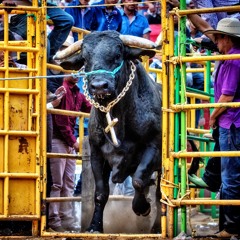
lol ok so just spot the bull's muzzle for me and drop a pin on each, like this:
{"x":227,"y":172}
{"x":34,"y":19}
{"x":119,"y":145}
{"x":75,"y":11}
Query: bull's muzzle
{"x":99,"y":89}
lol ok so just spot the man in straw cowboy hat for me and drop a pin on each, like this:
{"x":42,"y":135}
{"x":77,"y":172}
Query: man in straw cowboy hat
{"x":226,"y":89}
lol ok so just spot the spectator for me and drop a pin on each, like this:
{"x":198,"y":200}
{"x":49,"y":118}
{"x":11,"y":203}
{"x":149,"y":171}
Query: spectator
{"x":63,"y":23}
{"x":11,"y":61}
{"x":226,"y":89}
{"x":213,"y":18}
{"x":153,"y":16}
{"x":62,"y":169}
{"x":134,"y":23}
{"x":106,"y":17}
{"x":153,"y":13}
{"x":82,"y":15}
{"x":197,"y":77}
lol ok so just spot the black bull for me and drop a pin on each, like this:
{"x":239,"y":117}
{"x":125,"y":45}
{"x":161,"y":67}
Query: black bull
{"x":109,"y":64}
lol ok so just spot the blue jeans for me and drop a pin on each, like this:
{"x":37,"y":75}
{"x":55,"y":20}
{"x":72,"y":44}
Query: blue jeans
{"x":229,"y":140}
{"x":63,"y":23}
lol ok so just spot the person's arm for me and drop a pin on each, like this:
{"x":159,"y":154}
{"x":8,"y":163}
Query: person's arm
{"x":218,"y":111}
{"x":146,"y":35}
{"x":60,"y":92}
{"x":196,"y":20}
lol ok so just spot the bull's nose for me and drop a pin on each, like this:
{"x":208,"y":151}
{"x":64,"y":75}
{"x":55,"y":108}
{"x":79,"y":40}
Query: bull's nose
{"x":99,"y":86}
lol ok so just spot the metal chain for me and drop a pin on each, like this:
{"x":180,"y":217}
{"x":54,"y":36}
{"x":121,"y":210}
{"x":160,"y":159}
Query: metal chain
{"x":119,"y":97}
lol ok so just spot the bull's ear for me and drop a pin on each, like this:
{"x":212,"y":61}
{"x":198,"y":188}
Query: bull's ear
{"x":136,"y":53}
{"x":74,"y":62}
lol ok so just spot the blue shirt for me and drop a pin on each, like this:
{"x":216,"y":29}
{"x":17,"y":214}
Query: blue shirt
{"x":227,"y":82}
{"x":104,"y":20}
{"x":138,"y":27}
{"x":82,"y":17}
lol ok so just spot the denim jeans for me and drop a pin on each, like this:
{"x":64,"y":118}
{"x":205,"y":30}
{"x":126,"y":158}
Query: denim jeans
{"x":229,"y":140}
{"x":63,"y":23}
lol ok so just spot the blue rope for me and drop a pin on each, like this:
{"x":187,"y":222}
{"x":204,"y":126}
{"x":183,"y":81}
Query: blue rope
{"x":105,"y":71}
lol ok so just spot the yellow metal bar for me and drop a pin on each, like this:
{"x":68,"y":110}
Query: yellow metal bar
{"x":197,"y":95}
{"x":78,"y":199}
{"x":19,"y":175}
{"x":105,"y":236}
{"x":18,"y":218}
{"x":206,"y":154}
{"x":18,"y":133}
{"x":206,"y":105}
{"x":16,"y":70}
{"x":205,"y":10}
{"x":19,"y":91}
{"x":81,"y":133}
{"x":68,"y":113}
{"x":170,"y":145}
{"x":21,"y":9}
{"x":198,"y":130}
{"x":23,"y":48}
{"x":176,"y":60}
{"x":181,"y":202}
{"x":166,"y":78}
{"x":59,"y":155}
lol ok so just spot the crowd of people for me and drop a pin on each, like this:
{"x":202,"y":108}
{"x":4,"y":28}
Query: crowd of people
{"x":222,"y":28}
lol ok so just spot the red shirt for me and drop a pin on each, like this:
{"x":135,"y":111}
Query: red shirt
{"x":73,"y":100}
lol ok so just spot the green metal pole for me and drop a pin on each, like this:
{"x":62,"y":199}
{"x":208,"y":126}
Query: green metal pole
{"x":183,"y":115}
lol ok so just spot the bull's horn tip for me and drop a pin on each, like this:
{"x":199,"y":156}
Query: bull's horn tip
{"x":55,"y":57}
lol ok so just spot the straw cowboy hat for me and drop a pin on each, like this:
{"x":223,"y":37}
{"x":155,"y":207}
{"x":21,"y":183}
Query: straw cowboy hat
{"x":227,"y":26}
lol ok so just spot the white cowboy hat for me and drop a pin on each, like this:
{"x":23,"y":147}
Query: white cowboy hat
{"x":227,"y":26}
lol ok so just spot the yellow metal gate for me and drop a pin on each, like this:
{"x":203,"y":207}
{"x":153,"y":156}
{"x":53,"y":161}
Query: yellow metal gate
{"x":22,"y":137}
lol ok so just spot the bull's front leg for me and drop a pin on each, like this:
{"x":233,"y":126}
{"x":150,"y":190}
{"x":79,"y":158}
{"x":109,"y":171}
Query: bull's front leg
{"x":96,"y":225}
{"x":101,"y":172}
{"x":141,"y":179}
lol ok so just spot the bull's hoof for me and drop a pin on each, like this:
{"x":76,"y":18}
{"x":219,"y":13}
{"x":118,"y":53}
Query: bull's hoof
{"x":94,"y":229}
{"x":141,"y":206}
{"x":94,"y":232}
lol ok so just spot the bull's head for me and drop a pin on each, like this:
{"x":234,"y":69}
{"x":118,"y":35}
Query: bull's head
{"x":104,"y":55}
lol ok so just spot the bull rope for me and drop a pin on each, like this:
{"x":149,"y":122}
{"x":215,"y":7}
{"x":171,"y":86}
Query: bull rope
{"x":111,"y":123}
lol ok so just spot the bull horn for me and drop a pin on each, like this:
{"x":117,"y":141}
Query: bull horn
{"x":69,"y":50}
{"x":139,"y":42}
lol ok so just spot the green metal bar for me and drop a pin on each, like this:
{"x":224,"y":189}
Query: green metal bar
{"x":183,"y":115}
{"x":208,"y":74}
{"x":189,"y":89}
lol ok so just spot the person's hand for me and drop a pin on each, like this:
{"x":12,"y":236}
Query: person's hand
{"x":60,"y":92}
{"x":76,"y":146}
{"x":212,"y":122}
{"x":174,"y":3}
